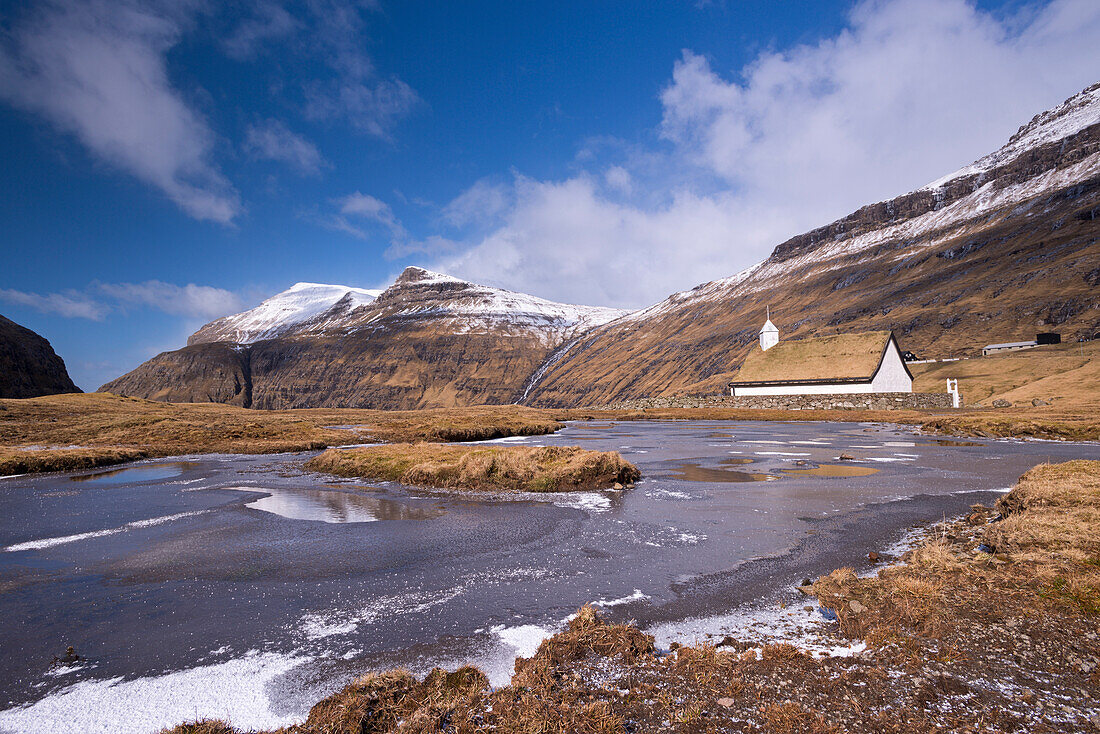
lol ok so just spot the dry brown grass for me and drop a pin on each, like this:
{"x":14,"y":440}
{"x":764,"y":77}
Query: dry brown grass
{"x":586,"y":634}
{"x":85,"y":430}
{"x":205,"y":726}
{"x":1046,"y":554}
{"x":1066,"y":375}
{"x":790,"y":718}
{"x":395,"y":701}
{"x":14,"y":461}
{"x":481,"y":468}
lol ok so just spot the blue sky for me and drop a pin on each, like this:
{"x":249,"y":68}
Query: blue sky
{"x":167,"y":162}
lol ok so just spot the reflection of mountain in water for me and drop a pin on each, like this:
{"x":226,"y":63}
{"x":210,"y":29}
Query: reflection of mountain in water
{"x":338,"y":507}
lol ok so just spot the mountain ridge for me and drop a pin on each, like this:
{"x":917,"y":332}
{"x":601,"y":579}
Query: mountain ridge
{"x":1001,"y":248}
{"x":428,"y":340}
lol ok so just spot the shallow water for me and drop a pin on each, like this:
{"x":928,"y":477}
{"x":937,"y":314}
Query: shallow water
{"x":134,"y":474}
{"x":338,"y":506}
{"x":244,"y":587}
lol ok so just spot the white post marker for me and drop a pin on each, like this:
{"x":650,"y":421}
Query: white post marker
{"x":953,"y":391}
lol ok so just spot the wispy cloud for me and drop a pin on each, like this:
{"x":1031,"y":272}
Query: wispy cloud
{"x":99,"y":300}
{"x":196,"y":301}
{"x":482,"y":204}
{"x":365,"y":208}
{"x":96,"y":69}
{"x":273,"y":140}
{"x":330,"y":33}
{"x":269,"y":21}
{"x":70,"y":304}
{"x":908,"y":91}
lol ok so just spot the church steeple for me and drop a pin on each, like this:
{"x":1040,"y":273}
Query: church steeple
{"x":769,"y":335}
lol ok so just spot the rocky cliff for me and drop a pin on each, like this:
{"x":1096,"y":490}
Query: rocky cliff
{"x":429,"y":340}
{"x":28,"y":365}
{"x":997,"y":251}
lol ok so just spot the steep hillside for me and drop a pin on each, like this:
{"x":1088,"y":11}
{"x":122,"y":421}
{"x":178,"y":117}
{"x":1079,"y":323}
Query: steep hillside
{"x":429,"y":340}
{"x":996,"y":251}
{"x":29,"y":367}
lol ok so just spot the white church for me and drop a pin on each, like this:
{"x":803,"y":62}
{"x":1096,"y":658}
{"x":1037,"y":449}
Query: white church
{"x":869,"y":362}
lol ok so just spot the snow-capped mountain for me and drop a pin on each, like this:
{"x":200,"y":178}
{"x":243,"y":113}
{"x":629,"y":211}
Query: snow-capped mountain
{"x":280,"y":313}
{"x":315,"y":309}
{"x":995,"y":251}
{"x":428,"y":340}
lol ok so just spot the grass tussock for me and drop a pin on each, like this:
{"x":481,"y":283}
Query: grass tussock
{"x":481,"y":468}
{"x":586,"y":634}
{"x":395,"y":701}
{"x":205,"y":726}
{"x":15,"y":461}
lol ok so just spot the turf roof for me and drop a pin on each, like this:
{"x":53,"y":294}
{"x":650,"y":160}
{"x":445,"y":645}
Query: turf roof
{"x":837,"y":357}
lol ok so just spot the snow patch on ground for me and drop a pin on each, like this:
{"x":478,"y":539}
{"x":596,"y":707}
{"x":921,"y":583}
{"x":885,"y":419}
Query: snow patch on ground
{"x":636,"y":596}
{"x":233,"y":690}
{"x":759,"y":625}
{"x":590,"y":501}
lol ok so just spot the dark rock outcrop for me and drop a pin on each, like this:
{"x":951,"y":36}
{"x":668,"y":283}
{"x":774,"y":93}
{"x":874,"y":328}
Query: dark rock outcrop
{"x":29,"y":367}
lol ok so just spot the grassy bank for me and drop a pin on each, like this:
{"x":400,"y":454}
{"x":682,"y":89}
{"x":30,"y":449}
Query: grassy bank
{"x":959,"y":640}
{"x":68,"y":432}
{"x":481,"y":468}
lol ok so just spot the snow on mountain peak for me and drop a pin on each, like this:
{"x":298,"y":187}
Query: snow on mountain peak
{"x":414,"y":274}
{"x":297,"y":304}
{"x":320,"y":309}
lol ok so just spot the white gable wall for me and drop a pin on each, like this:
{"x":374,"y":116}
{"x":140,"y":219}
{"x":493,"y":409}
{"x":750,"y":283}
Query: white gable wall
{"x":891,"y":376}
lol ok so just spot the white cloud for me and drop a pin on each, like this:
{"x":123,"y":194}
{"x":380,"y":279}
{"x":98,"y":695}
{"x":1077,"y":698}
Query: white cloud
{"x":619,"y":179}
{"x":373,"y":107}
{"x":368,"y":103}
{"x":70,"y":304}
{"x":100,"y":299}
{"x":479,"y":204}
{"x":96,"y":69}
{"x":195,"y":301}
{"x":365,"y":207}
{"x":273,"y":140}
{"x":269,"y":21}
{"x":910,"y":90}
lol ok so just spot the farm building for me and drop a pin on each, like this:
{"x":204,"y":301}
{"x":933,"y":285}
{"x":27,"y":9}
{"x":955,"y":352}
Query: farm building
{"x":870,"y":362}
{"x":1007,"y":347}
{"x":1040,"y":339}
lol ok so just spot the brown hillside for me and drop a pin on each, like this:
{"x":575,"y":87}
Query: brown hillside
{"x":1002,"y":275}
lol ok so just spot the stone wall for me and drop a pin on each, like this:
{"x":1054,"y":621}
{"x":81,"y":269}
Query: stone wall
{"x":861,"y":401}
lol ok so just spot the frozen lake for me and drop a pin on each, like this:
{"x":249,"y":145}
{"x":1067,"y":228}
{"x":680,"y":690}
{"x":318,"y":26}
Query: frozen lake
{"x":242,"y":587}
